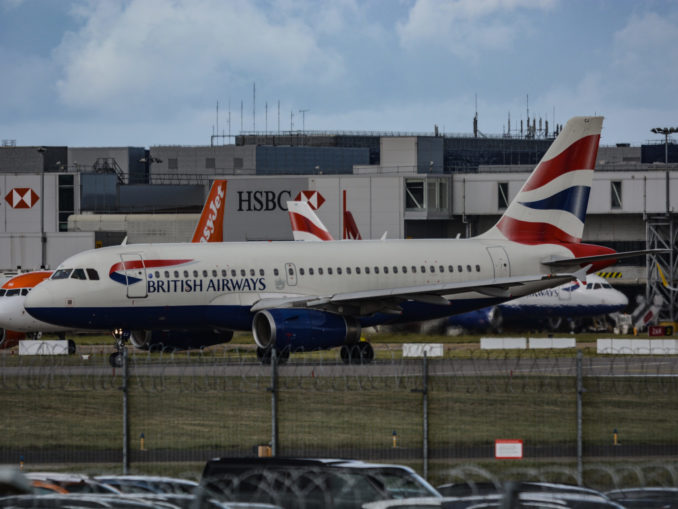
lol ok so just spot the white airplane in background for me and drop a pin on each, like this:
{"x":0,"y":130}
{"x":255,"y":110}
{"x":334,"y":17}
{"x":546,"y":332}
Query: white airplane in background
{"x":14,"y":319}
{"x":547,"y":308}
{"x":316,"y":295}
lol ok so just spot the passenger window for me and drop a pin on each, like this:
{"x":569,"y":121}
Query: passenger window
{"x":395,"y":269}
{"x":329,"y":270}
{"x":367,"y":270}
{"x":233,"y":272}
{"x":376,"y":270}
{"x":357,"y":270}
{"x":185,"y":273}
{"x":414,"y":269}
{"x":214,"y":273}
{"x":252,"y":273}
{"x":432,"y":268}
{"x":477,"y":268}
{"x":195,"y":273}
{"x":301,"y":271}
{"x":385,"y":269}
{"x":275,"y":272}
{"x":290,"y":271}
{"x":468,"y":268}
{"x":320,"y":271}
{"x":224,"y":273}
{"x":176,"y":273}
{"x":423,"y":269}
{"x":339,"y":271}
{"x":204,"y":273}
{"x":60,"y":274}
{"x":348,"y":270}
{"x":92,"y":274}
{"x":310,"y":271}
{"x":167,"y":274}
{"x":450,"y":268}
{"x":441,"y":269}
{"x":242,"y":272}
{"x":261,"y":272}
{"x":460,"y":268}
{"x":404,"y":270}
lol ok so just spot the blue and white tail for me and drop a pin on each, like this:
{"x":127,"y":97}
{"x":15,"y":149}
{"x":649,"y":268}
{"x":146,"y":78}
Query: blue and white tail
{"x":551,"y":206}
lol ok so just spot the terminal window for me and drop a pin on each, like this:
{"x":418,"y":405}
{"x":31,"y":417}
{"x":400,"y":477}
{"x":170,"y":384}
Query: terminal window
{"x":616,"y":194}
{"x":502,"y":195}
{"x":66,"y":200}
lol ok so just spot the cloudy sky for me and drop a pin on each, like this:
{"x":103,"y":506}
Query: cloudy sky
{"x":150,"y":72}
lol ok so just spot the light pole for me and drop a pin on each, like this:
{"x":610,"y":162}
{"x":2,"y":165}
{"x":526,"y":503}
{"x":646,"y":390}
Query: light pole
{"x":666,"y":131}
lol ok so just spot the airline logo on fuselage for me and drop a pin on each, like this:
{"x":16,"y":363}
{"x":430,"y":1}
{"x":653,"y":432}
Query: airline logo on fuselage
{"x":126,"y":273}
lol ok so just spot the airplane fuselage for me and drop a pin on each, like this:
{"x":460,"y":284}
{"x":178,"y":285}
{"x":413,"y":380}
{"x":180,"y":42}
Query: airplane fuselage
{"x":215,"y":285}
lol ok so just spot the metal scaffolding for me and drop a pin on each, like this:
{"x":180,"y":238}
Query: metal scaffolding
{"x":662,"y":268}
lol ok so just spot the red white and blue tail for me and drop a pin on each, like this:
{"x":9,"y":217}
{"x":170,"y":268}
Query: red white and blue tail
{"x":551,"y":206}
{"x":210,"y":227}
{"x":305,"y":223}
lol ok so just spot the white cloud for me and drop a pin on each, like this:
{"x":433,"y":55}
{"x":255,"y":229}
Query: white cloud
{"x":465,"y":27}
{"x":148,"y":51}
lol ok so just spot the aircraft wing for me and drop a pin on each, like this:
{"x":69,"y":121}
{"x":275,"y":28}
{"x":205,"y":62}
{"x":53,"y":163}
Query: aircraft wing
{"x":386,"y":300}
{"x":564,"y":262}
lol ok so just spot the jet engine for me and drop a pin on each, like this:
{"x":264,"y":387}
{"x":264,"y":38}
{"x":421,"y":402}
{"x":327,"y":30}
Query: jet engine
{"x":480,"y":319}
{"x":179,"y":339}
{"x":294,"y":330}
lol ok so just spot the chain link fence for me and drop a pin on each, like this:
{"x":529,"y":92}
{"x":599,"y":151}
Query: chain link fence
{"x":582,"y":419}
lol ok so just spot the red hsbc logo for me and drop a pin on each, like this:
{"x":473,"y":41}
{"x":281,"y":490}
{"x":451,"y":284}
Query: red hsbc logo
{"x":22,"y":198}
{"x":314,"y":198}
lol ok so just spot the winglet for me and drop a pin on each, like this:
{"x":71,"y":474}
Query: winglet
{"x":210,"y":226}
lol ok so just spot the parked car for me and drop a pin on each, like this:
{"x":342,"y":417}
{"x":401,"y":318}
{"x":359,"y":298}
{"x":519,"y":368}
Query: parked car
{"x":72,"y":483}
{"x":311,"y":483}
{"x":147,"y":484}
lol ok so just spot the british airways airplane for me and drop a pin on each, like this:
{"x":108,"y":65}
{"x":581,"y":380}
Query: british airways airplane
{"x":15,"y":320}
{"x":298,"y":296}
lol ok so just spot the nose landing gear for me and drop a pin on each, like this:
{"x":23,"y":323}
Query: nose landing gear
{"x":121,"y":337}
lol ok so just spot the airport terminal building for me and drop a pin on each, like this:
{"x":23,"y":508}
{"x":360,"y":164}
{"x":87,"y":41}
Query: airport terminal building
{"x":56,"y":201}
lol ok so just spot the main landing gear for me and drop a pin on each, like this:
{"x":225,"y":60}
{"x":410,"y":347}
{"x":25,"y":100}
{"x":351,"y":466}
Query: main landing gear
{"x":358,"y":353}
{"x":116,"y":358}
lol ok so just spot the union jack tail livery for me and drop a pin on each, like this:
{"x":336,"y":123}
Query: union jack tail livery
{"x":305,"y":223}
{"x":551,"y":206}
{"x":210,"y":227}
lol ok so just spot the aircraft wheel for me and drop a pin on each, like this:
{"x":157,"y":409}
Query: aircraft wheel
{"x":555,"y":322}
{"x":366,"y":352}
{"x":115,"y":359}
{"x":345,"y":354}
{"x":71,"y":347}
{"x":264,"y":355}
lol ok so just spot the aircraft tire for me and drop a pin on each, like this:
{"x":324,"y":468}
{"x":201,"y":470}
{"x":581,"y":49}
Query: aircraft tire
{"x":71,"y":347}
{"x":345,"y":354}
{"x":366,"y":352}
{"x":115,"y":360}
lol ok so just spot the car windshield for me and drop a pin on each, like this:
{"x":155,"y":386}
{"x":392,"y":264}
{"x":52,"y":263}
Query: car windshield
{"x":403,"y":484}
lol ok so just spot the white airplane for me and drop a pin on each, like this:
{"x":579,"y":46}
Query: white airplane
{"x":14,"y":318}
{"x":316,"y":295}
{"x":572,"y":301}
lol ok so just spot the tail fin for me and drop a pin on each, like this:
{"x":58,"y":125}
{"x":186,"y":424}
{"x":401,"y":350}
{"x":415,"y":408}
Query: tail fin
{"x":210,"y":226}
{"x":350,"y":228}
{"x":551,"y":206}
{"x":305,"y":223}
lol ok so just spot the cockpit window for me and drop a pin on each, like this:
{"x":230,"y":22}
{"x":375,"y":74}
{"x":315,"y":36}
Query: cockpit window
{"x":78,"y":274}
{"x":24,"y":291}
{"x":607,"y":285}
{"x":92,"y":274}
{"x":62,"y":274}
{"x":2,"y":293}
{"x":597,"y":286}
{"x":13,"y":292}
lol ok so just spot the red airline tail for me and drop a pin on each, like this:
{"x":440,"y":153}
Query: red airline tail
{"x":210,"y":226}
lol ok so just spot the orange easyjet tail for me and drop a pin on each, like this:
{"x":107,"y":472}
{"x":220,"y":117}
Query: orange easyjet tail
{"x":210,"y":226}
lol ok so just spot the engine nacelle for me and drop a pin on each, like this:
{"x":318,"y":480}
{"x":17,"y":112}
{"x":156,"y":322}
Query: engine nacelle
{"x":179,"y":339}
{"x":480,"y":319}
{"x":303,"y":329}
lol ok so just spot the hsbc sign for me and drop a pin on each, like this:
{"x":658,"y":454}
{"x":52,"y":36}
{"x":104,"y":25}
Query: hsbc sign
{"x":314,"y":198}
{"x":22,"y":198}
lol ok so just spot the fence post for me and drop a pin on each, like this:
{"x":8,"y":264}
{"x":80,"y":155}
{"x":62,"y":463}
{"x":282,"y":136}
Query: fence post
{"x":125,"y":410}
{"x":580,"y":392}
{"x":425,"y":416}
{"x":274,"y":402}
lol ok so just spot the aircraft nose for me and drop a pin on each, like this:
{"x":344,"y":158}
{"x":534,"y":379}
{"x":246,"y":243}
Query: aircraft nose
{"x":38,"y":299}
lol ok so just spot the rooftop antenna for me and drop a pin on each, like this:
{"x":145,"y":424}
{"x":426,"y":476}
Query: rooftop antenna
{"x":241,"y":112}
{"x":229,"y":118}
{"x":278,"y":116}
{"x":266,"y":117}
{"x":475,"y":119}
{"x":217,"y":116}
{"x":254,"y":107}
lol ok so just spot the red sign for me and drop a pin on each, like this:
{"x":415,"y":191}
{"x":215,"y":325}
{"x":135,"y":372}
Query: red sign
{"x":22,"y":198}
{"x":508,"y":449}
{"x":314,"y":198}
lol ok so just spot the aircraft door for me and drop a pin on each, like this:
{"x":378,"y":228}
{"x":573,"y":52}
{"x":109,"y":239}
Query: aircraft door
{"x":135,"y":272}
{"x":500,"y":260}
{"x":291,"y":274}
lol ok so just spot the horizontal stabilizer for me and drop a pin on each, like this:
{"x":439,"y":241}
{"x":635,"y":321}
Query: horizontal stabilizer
{"x":564,"y":262}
